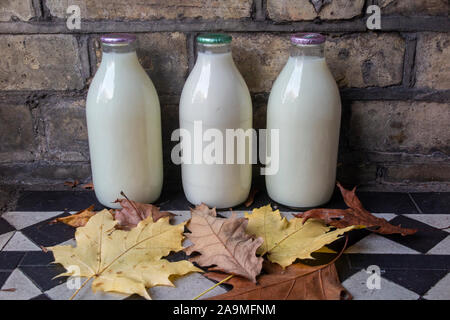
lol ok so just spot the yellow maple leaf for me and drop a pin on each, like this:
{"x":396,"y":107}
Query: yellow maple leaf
{"x":285,"y":241}
{"x":124,"y":261}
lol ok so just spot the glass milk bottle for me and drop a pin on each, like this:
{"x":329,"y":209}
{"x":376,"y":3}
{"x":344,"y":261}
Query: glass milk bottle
{"x":216,"y":97}
{"x":124,"y":126}
{"x":304,"y":105}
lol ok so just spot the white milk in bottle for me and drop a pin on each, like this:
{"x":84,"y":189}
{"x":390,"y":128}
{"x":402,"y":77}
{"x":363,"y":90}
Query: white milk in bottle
{"x":216,"y":96}
{"x":124,"y":126}
{"x":305,"y":106}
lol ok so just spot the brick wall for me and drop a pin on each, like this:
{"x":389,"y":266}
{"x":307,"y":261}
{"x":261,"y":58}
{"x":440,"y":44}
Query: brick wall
{"x":395,"y":82}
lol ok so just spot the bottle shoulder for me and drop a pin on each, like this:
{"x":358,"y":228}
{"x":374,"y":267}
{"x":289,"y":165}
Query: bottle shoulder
{"x":117,"y":85}
{"x":299,"y":80}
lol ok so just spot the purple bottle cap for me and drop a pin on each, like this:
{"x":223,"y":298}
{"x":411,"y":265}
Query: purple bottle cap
{"x":118,"y":38}
{"x":307,"y":38}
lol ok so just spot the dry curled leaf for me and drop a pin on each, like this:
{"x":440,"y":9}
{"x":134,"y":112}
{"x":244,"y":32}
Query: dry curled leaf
{"x":223,"y":243}
{"x":78,"y":219}
{"x":72,"y":184}
{"x":251,"y":197}
{"x":355,"y":215}
{"x":285,"y":241}
{"x":124,"y":261}
{"x":296,"y":282}
{"x":88,"y":186}
{"x":133,"y":212}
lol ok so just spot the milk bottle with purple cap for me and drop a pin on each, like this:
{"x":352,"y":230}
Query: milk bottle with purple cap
{"x":124,"y":126}
{"x":304,"y":105}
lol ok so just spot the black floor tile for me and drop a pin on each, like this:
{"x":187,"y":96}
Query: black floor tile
{"x":419,"y":281}
{"x":354,"y":236}
{"x":176,"y":200}
{"x":262,"y":199}
{"x":177,"y":256}
{"x":134,"y":297}
{"x":400,"y":261}
{"x":37,"y":258}
{"x":425,"y":239}
{"x":46,"y":234}
{"x":9,"y":260}
{"x":41,"y":297}
{"x":4,"y":275}
{"x":342,"y":264}
{"x":433,"y":202}
{"x":173,"y":200}
{"x":387,"y":202}
{"x":5,"y":227}
{"x":44,"y":276}
{"x":56,"y":200}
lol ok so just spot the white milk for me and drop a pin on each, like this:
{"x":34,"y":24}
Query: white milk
{"x":124,"y":126}
{"x":216,"y":94}
{"x":304,"y":105}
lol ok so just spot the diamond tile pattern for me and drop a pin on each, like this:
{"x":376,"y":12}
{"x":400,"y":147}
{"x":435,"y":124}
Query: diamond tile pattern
{"x":414,"y":267}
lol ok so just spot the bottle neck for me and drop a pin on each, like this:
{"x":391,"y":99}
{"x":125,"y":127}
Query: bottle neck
{"x":119,"y":54}
{"x":313,"y":51}
{"x":213,"y":48}
{"x":214,"y":54}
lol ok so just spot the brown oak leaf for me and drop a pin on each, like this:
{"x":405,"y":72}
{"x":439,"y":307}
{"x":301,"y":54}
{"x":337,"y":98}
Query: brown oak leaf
{"x":223,"y":243}
{"x":355,"y":215}
{"x":134,"y":212}
{"x":78,"y":219}
{"x":296,"y":282}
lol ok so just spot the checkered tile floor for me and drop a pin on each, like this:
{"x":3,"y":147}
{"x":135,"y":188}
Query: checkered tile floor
{"x":415,"y":267}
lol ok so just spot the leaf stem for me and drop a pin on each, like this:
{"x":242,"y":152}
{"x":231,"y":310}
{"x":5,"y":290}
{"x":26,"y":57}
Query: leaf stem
{"x":81,"y":287}
{"x":214,"y":286}
{"x":139,"y":213}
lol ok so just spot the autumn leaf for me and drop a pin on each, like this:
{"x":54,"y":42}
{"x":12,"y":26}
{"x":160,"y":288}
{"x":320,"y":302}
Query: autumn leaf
{"x":223,"y":243}
{"x":355,"y":215}
{"x":251,"y":197}
{"x":78,"y":219}
{"x":285,"y":241}
{"x":133,"y":212}
{"x":296,"y":282}
{"x":72,"y":184}
{"x":88,"y":186}
{"x":124,"y":261}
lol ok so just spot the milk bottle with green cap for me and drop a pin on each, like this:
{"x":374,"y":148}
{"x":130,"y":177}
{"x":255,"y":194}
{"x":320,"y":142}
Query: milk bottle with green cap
{"x":305,"y":106}
{"x":124,"y":126}
{"x":216,"y":97}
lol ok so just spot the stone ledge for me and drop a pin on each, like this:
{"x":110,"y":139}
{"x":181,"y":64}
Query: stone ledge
{"x":389,"y":23}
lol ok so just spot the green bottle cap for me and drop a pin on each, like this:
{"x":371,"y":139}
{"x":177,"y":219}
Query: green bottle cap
{"x":213,"y":38}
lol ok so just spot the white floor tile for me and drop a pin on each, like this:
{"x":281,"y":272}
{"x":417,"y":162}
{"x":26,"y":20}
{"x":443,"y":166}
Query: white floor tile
{"x":4,"y":238}
{"x":440,"y":291}
{"x":19,"y":242}
{"x":70,"y":242}
{"x":442,"y":247}
{"x":376,"y":244}
{"x":23,"y":219}
{"x":387,"y":216}
{"x":186,"y":288}
{"x":24,"y":287}
{"x":62,"y":292}
{"x":357,"y":286}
